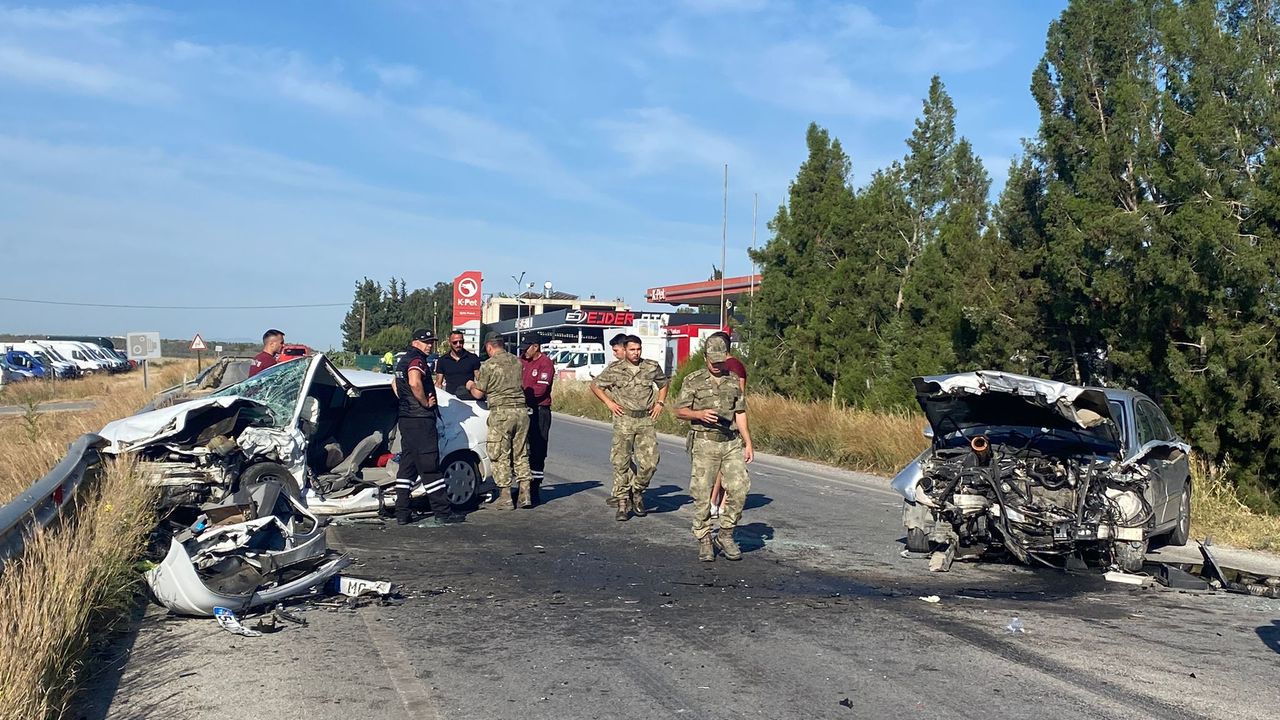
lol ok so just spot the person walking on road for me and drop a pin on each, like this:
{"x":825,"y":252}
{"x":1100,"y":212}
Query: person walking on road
{"x":457,"y":367}
{"x":537,"y":378}
{"x":738,"y":370}
{"x":272,"y":341}
{"x":498,"y":380}
{"x":712,"y":401}
{"x":635,"y":391}
{"x":419,"y":439}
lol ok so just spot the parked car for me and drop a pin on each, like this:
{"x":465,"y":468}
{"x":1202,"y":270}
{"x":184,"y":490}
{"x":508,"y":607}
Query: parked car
{"x":305,"y":424}
{"x":23,"y":365}
{"x":77,"y":354}
{"x":61,"y":369}
{"x":1043,"y":470}
{"x":223,"y":372}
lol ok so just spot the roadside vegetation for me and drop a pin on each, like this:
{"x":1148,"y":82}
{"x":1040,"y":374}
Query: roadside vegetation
{"x":883,"y":442}
{"x":76,"y":578}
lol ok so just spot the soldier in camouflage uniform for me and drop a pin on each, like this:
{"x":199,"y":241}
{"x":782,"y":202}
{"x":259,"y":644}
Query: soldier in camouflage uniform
{"x":635,"y":391}
{"x":498,"y":380}
{"x":712,"y":401}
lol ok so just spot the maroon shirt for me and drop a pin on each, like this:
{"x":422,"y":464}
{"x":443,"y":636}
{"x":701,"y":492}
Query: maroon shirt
{"x":536,"y":379}
{"x":260,"y":362}
{"x":735,"y":366}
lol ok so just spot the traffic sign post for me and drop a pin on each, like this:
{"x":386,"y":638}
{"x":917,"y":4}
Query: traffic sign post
{"x":143,"y":346}
{"x":197,"y":344}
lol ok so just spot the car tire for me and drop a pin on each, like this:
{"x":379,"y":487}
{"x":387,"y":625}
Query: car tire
{"x":262,"y":472}
{"x":1182,"y":531}
{"x":1129,"y":556}
{"x":917,"y":540}
{"x":461,"y":480}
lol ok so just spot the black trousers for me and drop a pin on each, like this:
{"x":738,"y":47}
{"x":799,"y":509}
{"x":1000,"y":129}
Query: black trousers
{"x":420,"y":462}
{"x":539,"y":432}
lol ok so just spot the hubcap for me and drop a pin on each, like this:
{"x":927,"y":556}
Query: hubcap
{"x":460,"y":481}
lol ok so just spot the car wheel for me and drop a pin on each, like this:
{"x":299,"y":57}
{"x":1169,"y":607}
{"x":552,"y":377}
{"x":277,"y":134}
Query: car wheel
{"x":1129,"y":556}
{"x":917,"y":540}
{"x":1182,"y":531}
{"x":461,"y":480}
{"x":265,"y":471}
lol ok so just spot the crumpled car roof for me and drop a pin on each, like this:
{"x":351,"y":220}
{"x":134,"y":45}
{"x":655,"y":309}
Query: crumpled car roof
{"x":148,"y":427}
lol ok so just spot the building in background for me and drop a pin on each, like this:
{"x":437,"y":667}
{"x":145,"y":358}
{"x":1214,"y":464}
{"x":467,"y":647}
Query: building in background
{"x":499,"y":308}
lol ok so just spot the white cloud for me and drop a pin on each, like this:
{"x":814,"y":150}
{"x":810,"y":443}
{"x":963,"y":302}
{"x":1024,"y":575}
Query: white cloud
{"x":803,"y":76}
{"x":659,"y":139}
{"x":85,"y":17}
{"x":61,"y":74}
{"x":395,"y":74}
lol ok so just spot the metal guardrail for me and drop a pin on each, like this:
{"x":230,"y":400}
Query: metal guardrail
{"x":42,"y":503}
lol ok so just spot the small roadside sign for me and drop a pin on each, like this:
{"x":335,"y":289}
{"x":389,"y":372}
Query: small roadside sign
{"x":197,"y":342}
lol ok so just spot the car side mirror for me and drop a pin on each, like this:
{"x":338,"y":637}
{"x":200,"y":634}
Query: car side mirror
{"x":928,"y":432}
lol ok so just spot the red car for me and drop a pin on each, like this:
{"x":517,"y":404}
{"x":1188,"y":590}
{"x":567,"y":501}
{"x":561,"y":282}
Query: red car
{"x":293,"y":352}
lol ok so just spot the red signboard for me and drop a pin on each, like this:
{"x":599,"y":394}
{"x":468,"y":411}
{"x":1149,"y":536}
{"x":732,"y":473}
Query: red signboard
{"x":466,"y":298}
{"x":607,"y":318}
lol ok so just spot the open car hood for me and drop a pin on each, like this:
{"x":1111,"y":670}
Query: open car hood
{"x":983,"y":399}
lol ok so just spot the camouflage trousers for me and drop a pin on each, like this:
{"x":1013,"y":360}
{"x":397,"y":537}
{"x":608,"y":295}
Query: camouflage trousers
{"x":634,"y":454}
{"x":709,"y":458}
{"x":508,"y":444}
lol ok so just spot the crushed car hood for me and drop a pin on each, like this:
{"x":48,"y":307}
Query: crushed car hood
{"x":145,"y":428}
{"x":963,"y":401}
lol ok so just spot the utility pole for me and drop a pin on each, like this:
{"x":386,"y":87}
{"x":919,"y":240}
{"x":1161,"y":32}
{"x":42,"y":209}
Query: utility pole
{"x":363,"y":305}
{"x":435,"y":319}
{"x":519,"y":282}
{"x":755,"y":206}
{"x":724,"y":239}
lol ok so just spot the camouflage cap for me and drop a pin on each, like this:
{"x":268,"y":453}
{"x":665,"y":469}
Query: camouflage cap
{"x":715,"y":349}
{"x":494,"y":337}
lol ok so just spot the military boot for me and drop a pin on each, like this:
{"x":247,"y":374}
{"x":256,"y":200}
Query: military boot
{"x":526,"y":499}
{"x":611,"y":501}
{"x":706,"y":553}
{"x":503,"y":501}
{"x":623,"y":512}
{"x":637,"y":503}
{"x":724,"y":541}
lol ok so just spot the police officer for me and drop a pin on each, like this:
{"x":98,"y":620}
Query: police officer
{"x":635,"y":391}
{"x":419,"y":441}
{"x":498,"y":380}
{"x":712,"y":401}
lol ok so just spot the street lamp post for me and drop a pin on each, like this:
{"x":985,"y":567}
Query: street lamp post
{"x":519,"y":281}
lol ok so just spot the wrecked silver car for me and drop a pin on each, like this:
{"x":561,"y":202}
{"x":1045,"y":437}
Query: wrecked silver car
{"x":1042,"y":471}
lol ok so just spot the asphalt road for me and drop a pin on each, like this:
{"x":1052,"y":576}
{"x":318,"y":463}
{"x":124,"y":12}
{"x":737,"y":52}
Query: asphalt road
{"x":48,"y":407}
{"x":562,"y":612}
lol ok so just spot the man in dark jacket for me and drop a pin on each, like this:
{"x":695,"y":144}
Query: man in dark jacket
{"x":419,"y":440}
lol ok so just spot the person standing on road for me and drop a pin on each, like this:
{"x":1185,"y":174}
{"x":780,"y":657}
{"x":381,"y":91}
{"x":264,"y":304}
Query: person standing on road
{"x":537,"y":378}
{"x":272,"y":341}
{"x":419,"y":439}
{"x":498,"y":380}
{"x":738,"y":370}
{"x":617,"y":343}
{"x":455,"y":369}
{"x":389,"y":361}
{"x":635,"y":391}
{"x":713,"y":403}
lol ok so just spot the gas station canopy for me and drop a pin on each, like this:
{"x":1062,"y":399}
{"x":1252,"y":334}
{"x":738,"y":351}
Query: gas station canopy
{"x":706,"y":292}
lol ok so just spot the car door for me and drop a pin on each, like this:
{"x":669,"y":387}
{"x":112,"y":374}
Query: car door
{"x":1151,"y":426}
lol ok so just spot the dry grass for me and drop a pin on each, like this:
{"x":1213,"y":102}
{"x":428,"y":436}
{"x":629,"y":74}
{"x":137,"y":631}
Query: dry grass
{"x":1216,"y":511}
{"x":851,"y":439}
{"x":76,"y":575}
{"x":71,"y":578}
{"x":32,"y":443}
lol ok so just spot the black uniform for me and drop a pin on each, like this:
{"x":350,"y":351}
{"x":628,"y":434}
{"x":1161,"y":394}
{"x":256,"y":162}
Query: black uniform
{"x":419,"y":440}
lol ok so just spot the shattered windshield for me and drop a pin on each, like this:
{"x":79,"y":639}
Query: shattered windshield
{"x":278,"y":387}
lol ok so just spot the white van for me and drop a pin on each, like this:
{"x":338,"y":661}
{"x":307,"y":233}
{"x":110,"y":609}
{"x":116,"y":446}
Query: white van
{"x":77,"y":354}
{"x":52,"y":361}
{"x":578,"y":361}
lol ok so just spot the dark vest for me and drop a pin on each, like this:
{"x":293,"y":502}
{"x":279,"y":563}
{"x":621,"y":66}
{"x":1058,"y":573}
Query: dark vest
{"x":409,"y":407}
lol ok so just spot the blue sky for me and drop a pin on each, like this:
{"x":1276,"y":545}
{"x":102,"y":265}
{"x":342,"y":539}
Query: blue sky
{"x":245,"y":153}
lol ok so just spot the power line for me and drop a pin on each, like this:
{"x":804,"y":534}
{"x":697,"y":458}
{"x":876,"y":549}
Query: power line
{"x":174,"y":307}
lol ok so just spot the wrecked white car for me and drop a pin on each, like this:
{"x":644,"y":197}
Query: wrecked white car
{"x":1043,"y":471}
{"x":324,"y":434}
{"x":258,"y":547}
